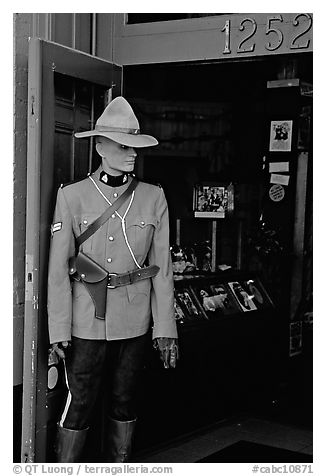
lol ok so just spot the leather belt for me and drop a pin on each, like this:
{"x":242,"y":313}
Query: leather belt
{"x":131,"y":277}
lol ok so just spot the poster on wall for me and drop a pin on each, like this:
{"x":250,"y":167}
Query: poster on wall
{"x":244,"y":299}
{"x":280,"y":137}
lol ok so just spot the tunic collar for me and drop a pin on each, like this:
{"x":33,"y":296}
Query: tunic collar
{"x":113,"y":181}
{"x":109,"y":191}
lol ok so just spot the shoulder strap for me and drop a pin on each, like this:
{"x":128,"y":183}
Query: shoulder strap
{"x":93,"y":227}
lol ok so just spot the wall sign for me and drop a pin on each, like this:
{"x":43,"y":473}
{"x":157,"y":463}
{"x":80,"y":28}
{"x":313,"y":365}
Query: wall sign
{"x":280,"y":179}
{"x":278,"y":167}
{"x":277,"y":34}
{"x":276,"y":193}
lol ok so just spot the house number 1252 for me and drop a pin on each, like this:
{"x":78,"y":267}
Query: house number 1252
{"x":274,"y":34}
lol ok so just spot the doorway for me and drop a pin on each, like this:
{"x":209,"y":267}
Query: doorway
{"x":67,"y":91}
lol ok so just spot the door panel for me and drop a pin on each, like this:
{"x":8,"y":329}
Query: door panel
{"x":62,"y":87}
{"x":75,"y":110}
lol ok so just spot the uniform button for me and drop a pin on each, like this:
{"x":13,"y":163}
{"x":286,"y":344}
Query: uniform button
{"x":142,"y":223}
{"x":111,"y":238}
{"x":115,"y":194}
{"x":109,"y":260}
{"x":85,"y":222}
{"x":113,"y":216}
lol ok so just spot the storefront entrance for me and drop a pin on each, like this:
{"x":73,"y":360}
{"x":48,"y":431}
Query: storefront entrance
{"x":213,"y":121}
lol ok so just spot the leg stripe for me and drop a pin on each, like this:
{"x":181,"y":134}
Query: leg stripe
{"x":68,"y":401}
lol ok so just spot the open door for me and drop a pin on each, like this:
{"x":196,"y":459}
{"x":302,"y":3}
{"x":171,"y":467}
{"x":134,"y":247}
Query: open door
{"x":67,"y":91}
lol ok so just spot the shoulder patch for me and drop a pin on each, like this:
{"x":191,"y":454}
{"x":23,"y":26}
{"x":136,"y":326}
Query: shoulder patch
{"x":56,"y":227}
{"x":63,"y":185}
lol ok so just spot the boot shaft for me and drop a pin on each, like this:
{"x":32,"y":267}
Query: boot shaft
{"x":120,"y":438}
{"x":69,"y":444}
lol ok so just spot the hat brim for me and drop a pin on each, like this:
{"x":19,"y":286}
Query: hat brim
{"x":130,"y":140}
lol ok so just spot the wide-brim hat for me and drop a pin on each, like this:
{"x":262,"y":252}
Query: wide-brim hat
{"x":119,"y":123}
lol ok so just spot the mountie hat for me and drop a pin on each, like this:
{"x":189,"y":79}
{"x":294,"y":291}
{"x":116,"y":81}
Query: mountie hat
{"x":119,"y":123}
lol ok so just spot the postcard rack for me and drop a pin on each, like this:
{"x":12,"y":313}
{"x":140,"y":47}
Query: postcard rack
{"x":208,"y":298}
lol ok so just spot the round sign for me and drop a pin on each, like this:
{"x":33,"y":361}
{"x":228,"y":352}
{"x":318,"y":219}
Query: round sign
{"x":276,"y":193}
{"x":52,"y":377}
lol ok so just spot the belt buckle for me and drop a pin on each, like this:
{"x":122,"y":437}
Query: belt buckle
{"x":108,"y":285}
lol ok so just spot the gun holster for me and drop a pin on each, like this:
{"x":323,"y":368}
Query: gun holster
{"x":95,"y":278}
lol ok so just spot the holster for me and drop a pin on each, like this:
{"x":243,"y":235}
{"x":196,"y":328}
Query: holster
{"x":95,"y":278}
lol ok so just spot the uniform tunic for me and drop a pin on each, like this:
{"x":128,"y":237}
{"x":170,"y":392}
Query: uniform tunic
{"x":129,"y":308}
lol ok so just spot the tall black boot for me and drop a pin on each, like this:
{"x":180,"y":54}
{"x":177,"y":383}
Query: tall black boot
{"x":69,"y":444}
{"x":119,"y":440}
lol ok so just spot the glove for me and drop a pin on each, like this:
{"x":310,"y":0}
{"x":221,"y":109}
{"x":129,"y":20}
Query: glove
{"x":169,"y":350}
{"x":58,"y":348}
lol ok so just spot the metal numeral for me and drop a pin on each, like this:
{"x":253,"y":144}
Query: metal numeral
{"x":269,"y":30}
{"x":254,"y":29}
{"x":227,"y":28}
{"x":296,"y":23}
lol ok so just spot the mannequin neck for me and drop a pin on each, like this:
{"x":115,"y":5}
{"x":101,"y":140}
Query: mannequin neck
{"x":110,"y":171}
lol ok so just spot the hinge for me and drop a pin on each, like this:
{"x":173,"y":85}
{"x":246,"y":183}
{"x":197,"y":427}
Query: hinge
{"x":32,"y":105}
{"x":29,"y":278}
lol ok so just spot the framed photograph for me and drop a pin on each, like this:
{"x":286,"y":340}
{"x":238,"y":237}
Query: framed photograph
{"x":188,"y":305}
{"x":256,"y":293}
{"x":243,"y":298}
{"x":280,"y":137}
{"x":213,"y":200}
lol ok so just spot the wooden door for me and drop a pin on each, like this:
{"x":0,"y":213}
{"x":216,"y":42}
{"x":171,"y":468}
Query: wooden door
{"x":67,"y":91}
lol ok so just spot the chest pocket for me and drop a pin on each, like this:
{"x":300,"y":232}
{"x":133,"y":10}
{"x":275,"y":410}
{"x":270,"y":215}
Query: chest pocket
{"x":83,"y":222}
{"x":140,"y":231}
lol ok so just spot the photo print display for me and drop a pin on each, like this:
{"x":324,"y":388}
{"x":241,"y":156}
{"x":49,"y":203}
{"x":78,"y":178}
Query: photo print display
{"x":256,"y":293}
{"x":215,"y":300}
{"x":225,"y":297}
{"x":188,"y":305}
{"x":244,"y":299}
{"x":178,"y":312}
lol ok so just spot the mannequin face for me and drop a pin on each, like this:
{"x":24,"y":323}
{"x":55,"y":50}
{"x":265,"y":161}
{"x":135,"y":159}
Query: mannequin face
{"x":116,"y":158}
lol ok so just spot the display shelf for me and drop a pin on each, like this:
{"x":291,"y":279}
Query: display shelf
{"x":214,"y":296}
{"x":229,"y":358}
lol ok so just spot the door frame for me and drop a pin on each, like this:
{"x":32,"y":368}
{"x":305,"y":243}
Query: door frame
{"x":45,"y":59}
